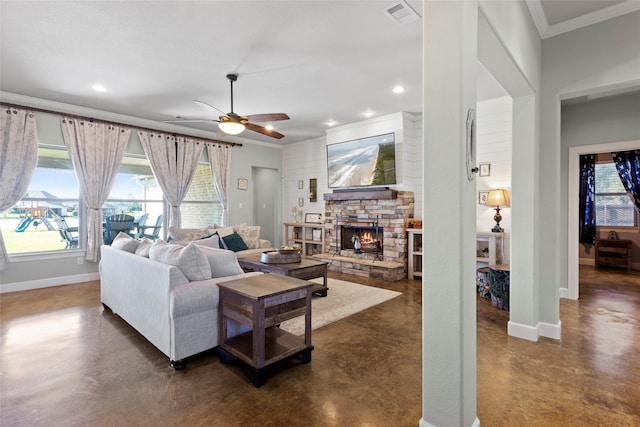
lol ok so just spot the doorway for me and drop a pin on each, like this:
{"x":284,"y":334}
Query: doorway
{"x":266,"y":196}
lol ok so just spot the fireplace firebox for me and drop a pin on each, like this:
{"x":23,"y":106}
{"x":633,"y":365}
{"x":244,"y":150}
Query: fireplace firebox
{"x":370,"y":238}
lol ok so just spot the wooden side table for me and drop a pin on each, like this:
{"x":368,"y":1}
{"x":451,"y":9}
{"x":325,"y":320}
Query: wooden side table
{"x":263,"y":302}
{"x":613,"y":253}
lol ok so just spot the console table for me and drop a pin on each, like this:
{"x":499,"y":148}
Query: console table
{"x":613,"y":253}
{"x":263,"y":302}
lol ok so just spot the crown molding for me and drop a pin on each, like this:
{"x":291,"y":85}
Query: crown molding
{"x":545,"y":30}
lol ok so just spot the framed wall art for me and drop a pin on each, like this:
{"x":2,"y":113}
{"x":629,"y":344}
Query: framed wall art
{"x":482,"y":197}
{"x":243,"y":183}
{"x":485,"y":169}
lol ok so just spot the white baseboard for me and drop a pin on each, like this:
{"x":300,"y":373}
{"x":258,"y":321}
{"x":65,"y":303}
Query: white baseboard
{"x":532,"y":333}
{"x":46,"y":283}
{"x":423,"y":423}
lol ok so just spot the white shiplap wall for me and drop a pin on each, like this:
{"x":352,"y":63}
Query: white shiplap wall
{"x":494,"y":140}
{"x":308,"y":159}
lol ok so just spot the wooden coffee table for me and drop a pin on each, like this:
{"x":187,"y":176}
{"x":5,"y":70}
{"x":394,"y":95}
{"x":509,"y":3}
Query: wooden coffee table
{"x":306,"y":269}
{"x":263,"y":302}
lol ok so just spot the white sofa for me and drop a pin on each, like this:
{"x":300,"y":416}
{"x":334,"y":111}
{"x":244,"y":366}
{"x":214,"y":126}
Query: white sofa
{"x":178,"y":316}
{"x":249,"y":234}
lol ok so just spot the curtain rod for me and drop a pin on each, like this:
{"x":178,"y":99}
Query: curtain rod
{"x":92,"y":119}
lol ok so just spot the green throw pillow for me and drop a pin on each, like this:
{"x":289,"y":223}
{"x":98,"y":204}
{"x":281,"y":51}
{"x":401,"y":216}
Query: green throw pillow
{"x":234,"y":242}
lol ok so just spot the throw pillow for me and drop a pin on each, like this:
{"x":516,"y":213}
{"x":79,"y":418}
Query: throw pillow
{"x":222,"y":262}
{"x":250,"y":234}
{"x":176,"y":233}
{"x":125,"y":243}
{"x":234,"y":242}
{"x":189,"y":259}
{"x":144,"y":247}
{"x":224,"y":231}
{"x":212,"y":241}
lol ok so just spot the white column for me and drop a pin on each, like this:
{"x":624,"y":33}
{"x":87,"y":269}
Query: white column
{"x":449,"y":295}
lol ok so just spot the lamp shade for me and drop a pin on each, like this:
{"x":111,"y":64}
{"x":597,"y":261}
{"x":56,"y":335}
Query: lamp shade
{"x":231,"y":128}
{"x":498,"y":199}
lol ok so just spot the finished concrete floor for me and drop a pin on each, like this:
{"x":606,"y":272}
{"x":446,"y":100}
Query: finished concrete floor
{"x":66,"y":362}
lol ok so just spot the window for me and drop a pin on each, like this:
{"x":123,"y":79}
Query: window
{"x":49,"y":216}
{"x":30,"y":225}
{"x":614,"y":207}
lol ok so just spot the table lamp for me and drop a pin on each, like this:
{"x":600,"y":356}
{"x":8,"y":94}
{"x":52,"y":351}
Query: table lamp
{"x":498,"y":199}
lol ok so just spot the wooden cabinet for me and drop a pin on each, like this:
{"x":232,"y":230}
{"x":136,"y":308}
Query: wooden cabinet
{"x":489,"y":248}
{"x":415,"y":252}
{"x":309,"y":236}
{"x":613,"y":253}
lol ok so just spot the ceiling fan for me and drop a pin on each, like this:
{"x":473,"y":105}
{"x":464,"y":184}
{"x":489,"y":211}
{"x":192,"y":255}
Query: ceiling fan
{"x":232,"y":123}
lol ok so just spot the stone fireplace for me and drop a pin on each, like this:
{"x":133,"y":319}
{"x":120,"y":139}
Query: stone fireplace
{"x":378,"y":217}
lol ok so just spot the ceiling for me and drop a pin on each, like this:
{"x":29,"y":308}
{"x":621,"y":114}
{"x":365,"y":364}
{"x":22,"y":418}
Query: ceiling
{"x":317,"y":61}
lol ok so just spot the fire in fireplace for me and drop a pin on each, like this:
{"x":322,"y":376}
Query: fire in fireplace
{"x":370,"y":238}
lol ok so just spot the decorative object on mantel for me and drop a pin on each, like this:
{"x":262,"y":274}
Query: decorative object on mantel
{"x":498,"y":199}
{"x":485,"y":169}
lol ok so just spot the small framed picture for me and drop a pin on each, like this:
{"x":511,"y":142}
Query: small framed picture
{"x":243,"y":183}
{"x":482,"y":197}
{"x":485,"y":169}
{"x":300,"y":184}
{"x":313,"y":217}
{"x":300,"y":201}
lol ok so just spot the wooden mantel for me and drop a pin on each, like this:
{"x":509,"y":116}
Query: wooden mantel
{"x":375,"y":194}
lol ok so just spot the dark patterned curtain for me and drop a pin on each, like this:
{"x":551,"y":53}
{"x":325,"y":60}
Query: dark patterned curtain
{"x":587,"y":198}
{"x":628,"y":166}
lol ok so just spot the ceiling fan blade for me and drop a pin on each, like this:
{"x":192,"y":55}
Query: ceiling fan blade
{"x":268,"y":117}
{"x":208,"y":106}
{"x":263,"y":130}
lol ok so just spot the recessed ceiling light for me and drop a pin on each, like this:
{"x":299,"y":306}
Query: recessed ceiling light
{"x":398,"y":89}
{"x":99,"y":88}
{"x":331,"y":123}
{"x":368,"y":113}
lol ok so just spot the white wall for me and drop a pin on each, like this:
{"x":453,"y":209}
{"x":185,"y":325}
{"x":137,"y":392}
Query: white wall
{"x":308,"y":159}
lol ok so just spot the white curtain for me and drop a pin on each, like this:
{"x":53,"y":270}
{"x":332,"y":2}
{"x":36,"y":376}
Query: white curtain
{"x":220,"y":162}
{"x":96,"y":151}
{"x":18,"y":160}
{"x":173,"y":161}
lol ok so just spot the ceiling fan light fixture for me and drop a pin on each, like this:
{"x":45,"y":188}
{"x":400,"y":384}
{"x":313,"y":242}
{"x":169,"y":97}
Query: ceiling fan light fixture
{"x":231,"y":128}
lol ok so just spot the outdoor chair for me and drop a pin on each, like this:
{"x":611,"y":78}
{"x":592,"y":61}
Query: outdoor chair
{"x":69,"y":235}
{"x":140,"y":224}
{"x":115,"y":224}
{"x":151,"y":232}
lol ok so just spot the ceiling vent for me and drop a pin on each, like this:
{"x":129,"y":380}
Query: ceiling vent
{"x":402,"y":13}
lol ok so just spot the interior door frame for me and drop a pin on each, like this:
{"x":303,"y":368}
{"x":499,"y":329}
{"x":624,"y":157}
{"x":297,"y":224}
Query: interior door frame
{"x":572,"y":291}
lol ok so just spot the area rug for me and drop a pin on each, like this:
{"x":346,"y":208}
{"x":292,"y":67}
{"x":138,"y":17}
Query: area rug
{"x":343,"y":299}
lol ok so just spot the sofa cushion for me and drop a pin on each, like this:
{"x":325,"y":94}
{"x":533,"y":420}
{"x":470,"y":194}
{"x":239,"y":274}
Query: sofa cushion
{"x":224,"y":231}
{"x":234,"y":242}
{"x":222,"y":262}
{"x":176,"y":233}
{"x":125,"y":242}
{"x":144,"y":247}
{"x":189,"y":259}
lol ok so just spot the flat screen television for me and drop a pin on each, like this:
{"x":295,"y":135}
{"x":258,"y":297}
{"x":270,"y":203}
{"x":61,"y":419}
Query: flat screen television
{"x":362,"y":162}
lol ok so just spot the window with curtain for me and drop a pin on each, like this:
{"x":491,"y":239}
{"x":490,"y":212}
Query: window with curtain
{"x":30,"y":225}
{"x":614,"y":207}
